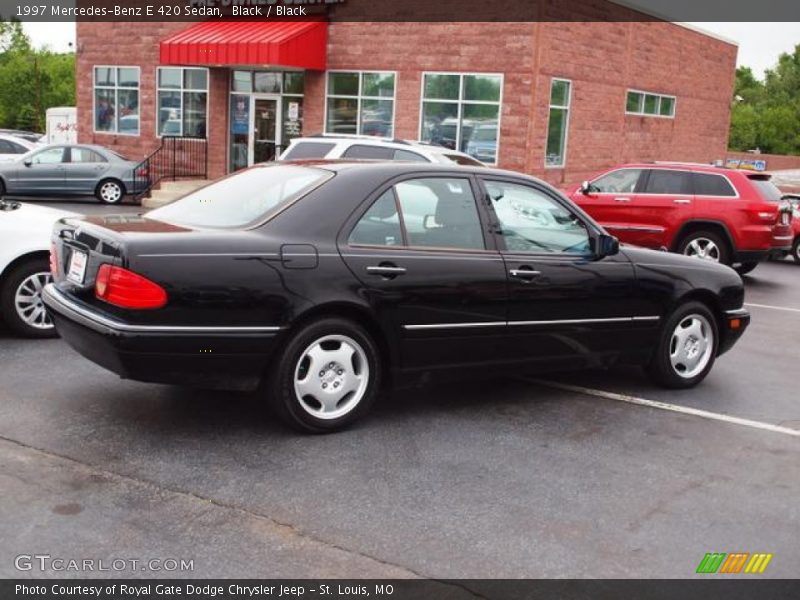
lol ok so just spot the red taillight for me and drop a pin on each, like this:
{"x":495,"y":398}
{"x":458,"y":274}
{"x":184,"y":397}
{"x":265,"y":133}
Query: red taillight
{"x":142,"y":172}
{"x":126,"y":289}
{"x":53,"y":260}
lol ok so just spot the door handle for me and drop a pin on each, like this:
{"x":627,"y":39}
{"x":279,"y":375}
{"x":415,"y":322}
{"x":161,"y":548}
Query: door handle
{"x":390,"y":271}
{"x":622,"y":199}
{"x":682,"y":201}
{"x":524,"y":274}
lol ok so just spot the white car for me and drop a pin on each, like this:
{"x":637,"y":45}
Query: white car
{"x":365,"y":147}
{"x":25,"y":266}
{"x":12,"y":147}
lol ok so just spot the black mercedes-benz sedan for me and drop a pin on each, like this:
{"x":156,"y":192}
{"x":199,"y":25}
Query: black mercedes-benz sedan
{"x":316,"y":281}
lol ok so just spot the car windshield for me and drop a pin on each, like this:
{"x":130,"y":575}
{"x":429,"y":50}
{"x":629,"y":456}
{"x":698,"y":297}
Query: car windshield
{"x":243,"y":199}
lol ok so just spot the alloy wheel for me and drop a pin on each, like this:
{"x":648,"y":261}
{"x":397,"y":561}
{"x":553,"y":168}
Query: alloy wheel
{"x":691,"y":346}
{"x":331,"y":377}
{"x":703,"y":248}
{"x":28,"y":301}
{"x":110,"y":192}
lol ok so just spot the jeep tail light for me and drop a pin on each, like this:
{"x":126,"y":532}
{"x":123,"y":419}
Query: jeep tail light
{"x":53,"y":260}
{"x":127,"y":289}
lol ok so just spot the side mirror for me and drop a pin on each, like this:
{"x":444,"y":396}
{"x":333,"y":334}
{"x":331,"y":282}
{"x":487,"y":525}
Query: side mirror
{"x":585,"y":188}
{"x":603,"y":245}
{"x":27,"y":162}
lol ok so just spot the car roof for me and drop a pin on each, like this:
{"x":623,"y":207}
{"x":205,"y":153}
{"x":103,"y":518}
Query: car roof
{"x":685,"y":166}
{"x":398,"y":167}
{"x":378,"y":141}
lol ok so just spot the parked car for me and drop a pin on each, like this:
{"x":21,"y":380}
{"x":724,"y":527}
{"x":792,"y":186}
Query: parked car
{"x":722,"y":215}
{"x":12,"y":148}
{"x":28,"y":136}
{"x":794,"y":202}
{"x":24,"y":266}
{"x":483,"y":142}
{"x":365,"y":147}
{"x":71,"y":170}
{"x":317,"y":280}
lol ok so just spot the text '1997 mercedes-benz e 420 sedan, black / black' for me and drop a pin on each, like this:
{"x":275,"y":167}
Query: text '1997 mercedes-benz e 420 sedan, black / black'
{"x":317,"y":281}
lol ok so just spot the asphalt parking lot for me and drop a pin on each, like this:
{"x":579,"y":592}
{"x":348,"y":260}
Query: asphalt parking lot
{"x":480,"y":479}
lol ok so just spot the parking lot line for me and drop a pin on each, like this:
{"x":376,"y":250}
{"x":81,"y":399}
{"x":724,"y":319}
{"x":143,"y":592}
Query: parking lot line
{"x":704,"y":414}
{"x":797,"y":310}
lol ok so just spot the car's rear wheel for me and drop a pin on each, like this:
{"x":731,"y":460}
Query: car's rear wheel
{"x":2,"y":188}
{"x":745,"y":268}
{"x":706,"y":245}
{"x":687,"y":347}
{"x":110,"y":191}
{"x":21,"y":299}
{"x":796,"y":250}
{"x":327,"y":377}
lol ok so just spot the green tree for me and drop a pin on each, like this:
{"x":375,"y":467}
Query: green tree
{"x":31,"y":80}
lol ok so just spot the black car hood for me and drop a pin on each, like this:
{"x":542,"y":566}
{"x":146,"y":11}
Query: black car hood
{"x":643,"y":257}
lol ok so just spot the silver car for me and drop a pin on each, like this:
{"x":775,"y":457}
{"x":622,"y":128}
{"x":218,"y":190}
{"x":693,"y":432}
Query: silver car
{"x":71,"y":170}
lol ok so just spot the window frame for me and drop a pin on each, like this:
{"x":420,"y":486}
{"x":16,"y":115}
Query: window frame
{"x":116,"y":87}
{"x":499,"y":241}
{"x":568,"y":109}
{"x":460,"y":102}
{"x":359,"y":98}
{"x":644,"y":94}
{"x":181,"y":91}
{"x":489,"y":239}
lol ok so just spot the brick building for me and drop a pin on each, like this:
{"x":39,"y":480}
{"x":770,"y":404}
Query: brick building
{"x":555,"y":99}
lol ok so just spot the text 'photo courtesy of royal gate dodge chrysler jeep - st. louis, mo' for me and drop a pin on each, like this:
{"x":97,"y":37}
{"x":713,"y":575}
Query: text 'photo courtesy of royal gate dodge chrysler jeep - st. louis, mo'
{"x":319,"y":282}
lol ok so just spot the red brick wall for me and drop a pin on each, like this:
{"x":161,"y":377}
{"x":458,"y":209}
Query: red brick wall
{"x":114,"y":44}
{"x":603,"y":60}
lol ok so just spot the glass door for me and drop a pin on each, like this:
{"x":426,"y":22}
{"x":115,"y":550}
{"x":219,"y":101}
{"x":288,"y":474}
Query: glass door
{"x":265,"y":141}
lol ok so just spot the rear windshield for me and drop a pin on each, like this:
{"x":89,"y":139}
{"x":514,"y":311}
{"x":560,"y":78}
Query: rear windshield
{"x":768,"y":190}
{"x":308,"y":150}
{"x":243,"y":199}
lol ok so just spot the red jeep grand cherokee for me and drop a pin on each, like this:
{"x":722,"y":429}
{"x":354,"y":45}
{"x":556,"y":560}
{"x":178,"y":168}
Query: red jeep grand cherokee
{"x":725,"y":215}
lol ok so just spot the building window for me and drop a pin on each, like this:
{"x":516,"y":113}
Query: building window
{"x":649,"y":104}
{"x":461,"y":111}
{"x":558,"y":123}
{"x":360,"y":103}
{"x":116,"y":100}
{"x":182,"y":101}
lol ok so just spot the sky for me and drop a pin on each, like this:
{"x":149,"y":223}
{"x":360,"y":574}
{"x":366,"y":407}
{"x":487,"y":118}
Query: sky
{"x":760,"y":44}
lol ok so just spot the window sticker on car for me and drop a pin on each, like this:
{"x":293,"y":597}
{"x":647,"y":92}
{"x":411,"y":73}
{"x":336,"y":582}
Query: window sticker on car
{"x":456,"y":188}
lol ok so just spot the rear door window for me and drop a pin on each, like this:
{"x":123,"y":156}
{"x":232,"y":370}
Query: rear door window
{"x":667,"y":181}
{"x":306,"y":150}
{"x":708,"y":184}
{"x":369,"y":152}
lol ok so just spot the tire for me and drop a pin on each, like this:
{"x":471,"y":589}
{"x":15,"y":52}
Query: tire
{"x":304,"y":387}
{"x":2,"y":188}
{"x":707,"y":245}
{"x":21,"y":302}
{"x":796,"y":250}
{"x":110,"y":191}
{"x":745,"y":268}
{"x":682,"y":359}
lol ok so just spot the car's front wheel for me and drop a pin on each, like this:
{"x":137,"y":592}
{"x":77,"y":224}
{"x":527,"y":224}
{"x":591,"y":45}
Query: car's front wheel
{"x":327,"y":377}
{"x":21,"y":299}
{"x":110,"y":191}
{"x":796,"y":250}
{"x":687,"y":347}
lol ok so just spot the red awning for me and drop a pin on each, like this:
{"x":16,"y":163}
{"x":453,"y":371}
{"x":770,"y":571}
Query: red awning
{"x":300,"y":44}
